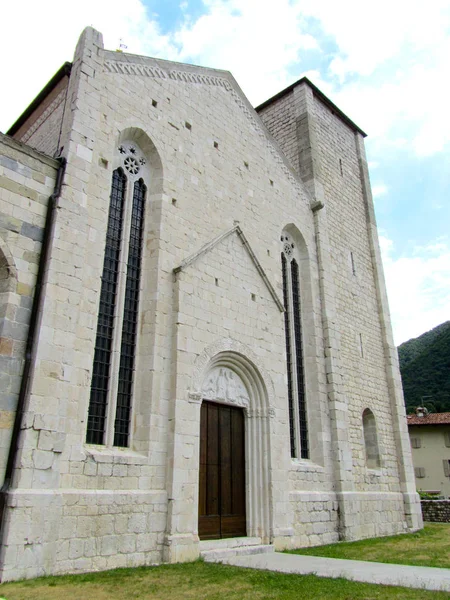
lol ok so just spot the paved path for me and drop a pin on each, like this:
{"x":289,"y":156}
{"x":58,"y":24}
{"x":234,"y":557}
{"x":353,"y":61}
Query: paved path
{"x":427,"y":578}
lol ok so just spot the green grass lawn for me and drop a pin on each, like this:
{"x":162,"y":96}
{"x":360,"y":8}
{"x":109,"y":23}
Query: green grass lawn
{"x":198,"y":581}
{"x":429,"y":547}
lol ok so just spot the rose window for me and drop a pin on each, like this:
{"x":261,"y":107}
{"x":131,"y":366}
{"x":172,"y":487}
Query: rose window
{"x":131,"y":165}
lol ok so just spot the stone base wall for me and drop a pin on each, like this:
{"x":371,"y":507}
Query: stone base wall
{"x":436,"y":510}
{"x":82,"y":530}
{"x":325,"y":518}
{"x":371,"y":514}
{"x":315,"y":519}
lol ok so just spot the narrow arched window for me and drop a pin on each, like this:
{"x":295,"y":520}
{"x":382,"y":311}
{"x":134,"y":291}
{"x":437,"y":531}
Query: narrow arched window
{"x":287,"y":326}
{"x":298,"y":424}
{"x":130,"y":317}
{"x":110,"y":405}
{"x":371,"y":439}
{"x":105,"y":323}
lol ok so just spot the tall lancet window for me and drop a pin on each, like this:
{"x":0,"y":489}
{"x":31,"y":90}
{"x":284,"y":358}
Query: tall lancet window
{"x":298,"y":425}
{"x":130,"y":317}
{"x":110,"y":404}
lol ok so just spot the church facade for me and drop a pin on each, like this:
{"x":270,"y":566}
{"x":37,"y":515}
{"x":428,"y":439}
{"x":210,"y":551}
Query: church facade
{"x":195,"y":342}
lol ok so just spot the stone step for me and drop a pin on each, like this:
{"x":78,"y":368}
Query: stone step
{"x":220,"y":554}
{"x":229,"y":543}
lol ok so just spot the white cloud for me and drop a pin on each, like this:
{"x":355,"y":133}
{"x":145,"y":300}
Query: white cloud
{"x":408,"y":110}
{"x":252,"y":40}
{"x":48,"y":35}
{"x":418,"y":287}
{"x":247,"y":37}
{"x":369,"y":34}
{"x":398,"y":51}
{"x":379,"y":189}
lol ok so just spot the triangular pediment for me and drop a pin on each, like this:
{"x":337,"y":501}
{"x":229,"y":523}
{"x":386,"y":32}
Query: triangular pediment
{"x":236,"y":230}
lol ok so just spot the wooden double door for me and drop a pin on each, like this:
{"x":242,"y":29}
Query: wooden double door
{"x":221,"y":508}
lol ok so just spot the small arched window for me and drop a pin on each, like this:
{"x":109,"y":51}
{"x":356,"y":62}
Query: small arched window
{"x":371,"y":440}
{"x":298,"y":424}
{"x":110,"y":401}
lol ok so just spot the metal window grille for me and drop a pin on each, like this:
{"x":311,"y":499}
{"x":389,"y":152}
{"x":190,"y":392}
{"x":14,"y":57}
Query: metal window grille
{"x":303,"y":425}
{"x":105,"y":324}
{"x":288,"y":356}
{"x":130,"y":318}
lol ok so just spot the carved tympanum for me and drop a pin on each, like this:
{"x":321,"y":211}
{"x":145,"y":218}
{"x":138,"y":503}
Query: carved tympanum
{"x":224,"y":385}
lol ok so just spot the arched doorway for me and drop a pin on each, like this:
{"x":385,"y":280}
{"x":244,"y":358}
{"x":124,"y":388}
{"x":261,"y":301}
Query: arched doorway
{"x":234,"y":450}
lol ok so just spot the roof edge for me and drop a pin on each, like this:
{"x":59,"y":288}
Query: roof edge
{"x":19,"y":146}
{"x":431,"y":419}
{"x":320,"y":95}
{"x":62,"y":72}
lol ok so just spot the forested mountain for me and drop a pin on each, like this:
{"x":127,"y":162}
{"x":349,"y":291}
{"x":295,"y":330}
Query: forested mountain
{"x":425,"y":369}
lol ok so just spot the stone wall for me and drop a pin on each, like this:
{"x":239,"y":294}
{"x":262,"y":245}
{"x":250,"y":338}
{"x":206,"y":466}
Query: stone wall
{"x":27,"y":180}
{"x":436,"y":510}
{"x":326,"y":149}
{"x":360,"y":350}
{"x":282,"y":121}
{"x":316,"y":519}
{"x":361,"y":345}
{"x":93,"y":530}
{"x":42,"y":129}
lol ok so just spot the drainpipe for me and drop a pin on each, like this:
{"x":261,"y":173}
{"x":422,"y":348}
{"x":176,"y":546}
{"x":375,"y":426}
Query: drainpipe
{"x":30,"y":349}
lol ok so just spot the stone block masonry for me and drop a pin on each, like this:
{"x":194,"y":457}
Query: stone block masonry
{"x":27,"y":179}
{"x":41,"y":129}
{"x":437,"y":511}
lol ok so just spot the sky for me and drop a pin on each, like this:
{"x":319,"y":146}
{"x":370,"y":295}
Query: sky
{"x":384,"y":63}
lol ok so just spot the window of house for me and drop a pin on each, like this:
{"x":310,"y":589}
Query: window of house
{"x":371,"y":440}
{"x":298,"y":426}
{"x":416,"y":442}
{"x":110,"y":403}
{"x":446,"y":465}
{"x":419,"y":472}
